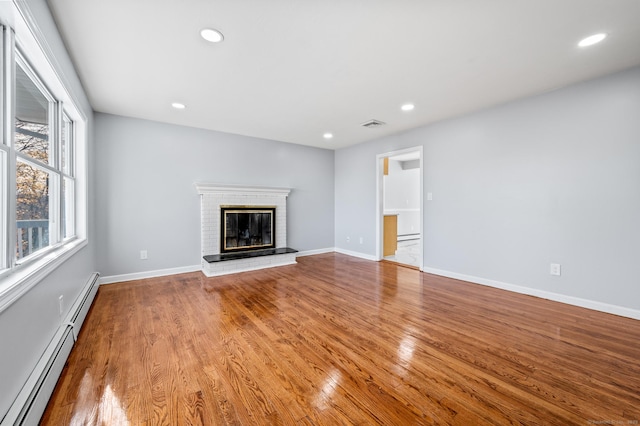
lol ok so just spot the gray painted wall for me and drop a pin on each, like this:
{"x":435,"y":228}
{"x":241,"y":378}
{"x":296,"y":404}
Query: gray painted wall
{"x":147,"y":199}
{"x":553,"y":178}
{"x":28,"y":325}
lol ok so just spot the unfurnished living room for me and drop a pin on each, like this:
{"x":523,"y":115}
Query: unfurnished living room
{"x":319,"y":212}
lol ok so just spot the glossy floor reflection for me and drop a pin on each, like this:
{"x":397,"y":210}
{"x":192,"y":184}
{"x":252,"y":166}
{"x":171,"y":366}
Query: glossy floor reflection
{"x":341,"y":340}
{"x":408,"y":253}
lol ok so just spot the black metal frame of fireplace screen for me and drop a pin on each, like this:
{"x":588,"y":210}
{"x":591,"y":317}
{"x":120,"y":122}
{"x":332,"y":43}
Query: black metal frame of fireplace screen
{"x":243,"y":228}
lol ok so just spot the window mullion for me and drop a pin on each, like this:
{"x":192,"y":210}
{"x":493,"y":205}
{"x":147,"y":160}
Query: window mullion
{"x":55,"y":206}
{"x":8,"y":111}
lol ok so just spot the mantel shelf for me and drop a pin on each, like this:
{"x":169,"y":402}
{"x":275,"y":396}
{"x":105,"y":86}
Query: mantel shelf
{"x":216,"y":188}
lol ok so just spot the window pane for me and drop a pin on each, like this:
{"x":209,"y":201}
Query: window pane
{"x":68,"y":210}
{"x":32,"y":119}
{"x":32,"y":209}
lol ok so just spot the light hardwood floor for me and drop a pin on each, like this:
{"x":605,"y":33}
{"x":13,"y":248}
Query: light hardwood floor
{"x":340,"y":340}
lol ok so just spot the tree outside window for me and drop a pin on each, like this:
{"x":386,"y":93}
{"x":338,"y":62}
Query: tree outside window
{"x":33,"y":147}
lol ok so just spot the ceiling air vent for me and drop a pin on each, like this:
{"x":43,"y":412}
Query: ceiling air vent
{"x":372,"y":124}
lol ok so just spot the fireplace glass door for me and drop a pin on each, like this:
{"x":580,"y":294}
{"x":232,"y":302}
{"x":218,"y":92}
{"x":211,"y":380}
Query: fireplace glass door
{"x":247,"y":228}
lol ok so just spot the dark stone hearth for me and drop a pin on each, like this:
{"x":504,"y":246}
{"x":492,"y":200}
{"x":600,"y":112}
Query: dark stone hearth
{"x":213,"y":258}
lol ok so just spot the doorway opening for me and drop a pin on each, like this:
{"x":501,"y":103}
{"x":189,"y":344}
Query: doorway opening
{"x":400,"y":207}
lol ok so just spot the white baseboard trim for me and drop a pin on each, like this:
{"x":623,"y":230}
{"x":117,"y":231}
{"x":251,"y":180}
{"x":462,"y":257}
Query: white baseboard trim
{"x":356,"y":254}
{"x":570,"y":300}
{"x":184,"y":269}
{"x":317,"y":251}
{"x":556,"y":297}
{"x":148,"y":274}
{"x":31,"y":402}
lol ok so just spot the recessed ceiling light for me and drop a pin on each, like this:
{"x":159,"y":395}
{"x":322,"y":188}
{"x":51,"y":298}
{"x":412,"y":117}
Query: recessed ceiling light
{"x":214,"y":36}
{"x":591,"y":40}
{"x":328,"y":135}
{"x":407,"y":107}
{"x":178,"y":105}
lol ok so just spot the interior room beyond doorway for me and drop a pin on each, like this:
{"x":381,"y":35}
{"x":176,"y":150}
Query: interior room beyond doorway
{"x":402,"y":239}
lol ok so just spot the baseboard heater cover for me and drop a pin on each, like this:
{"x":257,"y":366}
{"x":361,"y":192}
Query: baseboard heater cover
{"x":28,"y":407}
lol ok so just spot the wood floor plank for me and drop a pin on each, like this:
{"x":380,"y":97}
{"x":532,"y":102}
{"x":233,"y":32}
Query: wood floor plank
{"x":340,"y":340}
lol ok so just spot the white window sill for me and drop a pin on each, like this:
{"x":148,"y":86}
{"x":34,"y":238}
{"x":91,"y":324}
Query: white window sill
{"x":17,"y":282}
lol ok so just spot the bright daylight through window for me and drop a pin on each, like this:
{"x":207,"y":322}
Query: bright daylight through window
{"x":38,"y":164}
{"x":35,"y":181}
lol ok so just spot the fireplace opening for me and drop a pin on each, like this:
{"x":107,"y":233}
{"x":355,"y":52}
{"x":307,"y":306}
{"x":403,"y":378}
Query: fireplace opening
{"x":247,"y":228}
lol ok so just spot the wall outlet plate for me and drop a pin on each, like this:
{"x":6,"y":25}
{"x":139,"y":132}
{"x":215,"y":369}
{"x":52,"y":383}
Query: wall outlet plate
{"x":555,"y":269}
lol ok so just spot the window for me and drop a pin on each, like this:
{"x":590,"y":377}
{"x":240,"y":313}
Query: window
{"x":36,"y":175}
{"x":42,"y":192}
{"x":32,"y":117}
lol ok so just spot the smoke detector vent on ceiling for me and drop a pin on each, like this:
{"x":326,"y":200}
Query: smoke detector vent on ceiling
{"x":372,"y":124}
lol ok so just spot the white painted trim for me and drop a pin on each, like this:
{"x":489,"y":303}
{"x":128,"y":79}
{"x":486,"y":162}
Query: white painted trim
{"x":216,"y":188}
{"x":570,"y":300}
{"x":53,"y":66}
{"x":193,"y":268}
{"x":32,"y":399}
{"x":556,"y":297}
{"x":249,"y":268}
{"x":357,"y":254}
{"x":19,"y":281}
{"x":401,"y":210}
{"x":29,"y":39}
{"x":317,"y":251}
{"x":148,"y":274}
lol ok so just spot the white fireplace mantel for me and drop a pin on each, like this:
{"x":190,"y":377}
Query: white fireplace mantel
{"x":221,"y":189}
{"x":215,"y":195}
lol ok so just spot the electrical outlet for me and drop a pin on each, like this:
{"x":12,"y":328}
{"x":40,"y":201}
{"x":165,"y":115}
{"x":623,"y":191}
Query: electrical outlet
{"x":361,"y":240}
{"x":143,"y":255}
{"x":60,"y":304}
{"x":554,"y":269}
{"x":348,"y":239}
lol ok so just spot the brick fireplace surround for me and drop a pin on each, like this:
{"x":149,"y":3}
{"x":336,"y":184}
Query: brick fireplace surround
{"x":212,"y":196}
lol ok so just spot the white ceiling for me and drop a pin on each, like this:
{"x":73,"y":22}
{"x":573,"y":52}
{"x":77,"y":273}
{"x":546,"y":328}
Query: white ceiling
{"x":291,"y":70}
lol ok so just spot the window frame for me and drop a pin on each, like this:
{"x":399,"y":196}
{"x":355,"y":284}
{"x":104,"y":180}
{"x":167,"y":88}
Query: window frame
{"x":67,"y":171}
{"x":16,"y":278}
{"x":53,"y":241}
{"x":54,"y":139}
{"x":52,"y":166}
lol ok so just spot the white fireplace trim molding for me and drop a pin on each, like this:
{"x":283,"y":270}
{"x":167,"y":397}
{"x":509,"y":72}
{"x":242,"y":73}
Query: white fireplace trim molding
{"x":221,"y":189}
{"x":212,"y":196}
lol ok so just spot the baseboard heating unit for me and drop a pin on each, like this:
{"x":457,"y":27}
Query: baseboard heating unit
{"x":28,"y":407}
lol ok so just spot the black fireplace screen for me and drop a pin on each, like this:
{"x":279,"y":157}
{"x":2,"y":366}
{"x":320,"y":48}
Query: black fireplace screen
{"x":247,"y":228}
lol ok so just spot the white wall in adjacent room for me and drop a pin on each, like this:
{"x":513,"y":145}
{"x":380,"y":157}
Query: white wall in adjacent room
{"x":402,"y":195}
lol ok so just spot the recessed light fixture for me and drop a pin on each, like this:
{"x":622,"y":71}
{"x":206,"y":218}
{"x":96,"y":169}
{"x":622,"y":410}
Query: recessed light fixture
{"x":591,"y":40}
{"x":407,"y":107}
{"x":214,"y":36}
{"x":178,"y":105}
{"x":328,"y":135}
